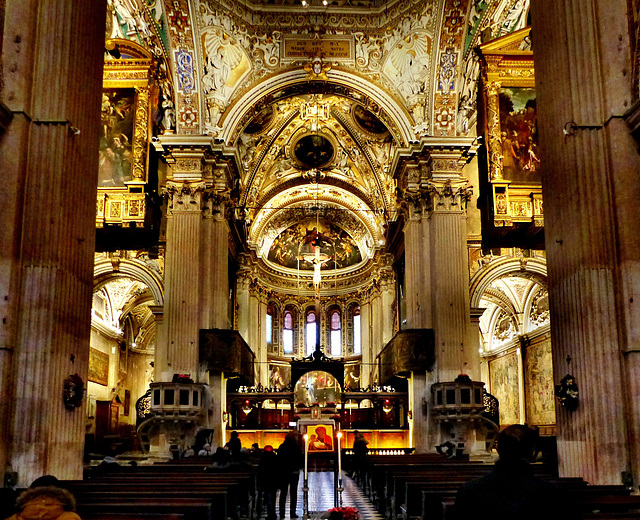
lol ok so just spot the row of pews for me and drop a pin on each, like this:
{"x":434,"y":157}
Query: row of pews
{"x":424,"y":487}
{"x":174,"y":491}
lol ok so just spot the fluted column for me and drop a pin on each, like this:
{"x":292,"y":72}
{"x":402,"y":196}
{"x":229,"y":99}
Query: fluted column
{"x":216,"y":304}
{"x":436,"y":277}
{"x":366,"y":325}
{"x":242,"y":297}
{"x":183,"y":284}
{"x":387,"y":298}
{"x":49,"y":156}
{"x":590,"y":171}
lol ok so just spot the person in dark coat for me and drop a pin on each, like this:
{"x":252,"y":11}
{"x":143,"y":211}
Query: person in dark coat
{"x":268,"y":471}
{"x":511,"y":490}
{"x":360,"y":451}
{"x":290,"y":459}
{"x":234,"y":446}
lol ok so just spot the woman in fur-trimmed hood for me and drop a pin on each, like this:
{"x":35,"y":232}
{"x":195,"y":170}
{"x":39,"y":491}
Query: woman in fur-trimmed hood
{"x":45,"y":503}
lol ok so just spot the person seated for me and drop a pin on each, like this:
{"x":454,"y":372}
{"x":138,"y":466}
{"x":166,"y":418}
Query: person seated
{"x":205,"y":451}
{"x":222,"y":459}
{"x":189,"y":452}
{"x":511,"y":490}
{"x":45,"y":503}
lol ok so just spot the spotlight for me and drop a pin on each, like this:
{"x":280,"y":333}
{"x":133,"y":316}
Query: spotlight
{"x":324,"y":2}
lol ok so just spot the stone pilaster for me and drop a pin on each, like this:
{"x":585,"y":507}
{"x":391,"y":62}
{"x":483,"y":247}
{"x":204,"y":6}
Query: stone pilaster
{"x":589,"y":170}
{"x":49,"y":153}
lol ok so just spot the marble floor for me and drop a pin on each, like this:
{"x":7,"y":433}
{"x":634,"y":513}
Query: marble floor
{"x":321,"y":497}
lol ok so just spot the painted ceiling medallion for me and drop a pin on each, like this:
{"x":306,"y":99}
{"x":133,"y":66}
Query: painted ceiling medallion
{"x":314,"y":151}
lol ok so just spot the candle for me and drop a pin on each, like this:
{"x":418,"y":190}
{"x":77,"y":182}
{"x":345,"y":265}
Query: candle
{"x":339,"y":456}
{"x":306,"y":455}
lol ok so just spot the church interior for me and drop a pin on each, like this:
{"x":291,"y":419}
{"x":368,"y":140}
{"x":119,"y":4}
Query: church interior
{"x":319,"y":215}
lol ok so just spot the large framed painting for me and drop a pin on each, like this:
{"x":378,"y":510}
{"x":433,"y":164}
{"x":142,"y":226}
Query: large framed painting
{"x":519,"y":134}
{"x":538,"y":383}
{"x":503,"y":376}
{"x":512,"y":185}
{"x":129,"y":98}
{"x":98,"y":367}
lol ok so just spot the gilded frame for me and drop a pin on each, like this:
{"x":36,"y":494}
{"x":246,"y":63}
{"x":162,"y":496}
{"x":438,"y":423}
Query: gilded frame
{"x":506,"y":66}
{"x":131,"y":78}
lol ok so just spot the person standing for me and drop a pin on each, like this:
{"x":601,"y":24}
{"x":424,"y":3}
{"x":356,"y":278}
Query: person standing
{"x":290,"y":460}
{"x":267,"y":483}
{"x":234,"y":445}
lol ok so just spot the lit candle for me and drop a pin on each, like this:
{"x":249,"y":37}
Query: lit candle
{"x":306,"y":455}
{"x":339,"y":456}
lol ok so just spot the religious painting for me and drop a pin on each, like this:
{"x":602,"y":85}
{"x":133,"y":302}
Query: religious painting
{"x":261,"y":121}
{"x":311,"y":242}
{"x":538,"y":384}
{"x":503,"y":375}
{"x":368,"y":121}
{"x":116,"y":139}
{"x":519,"y":135}
{"x":509,"y":121}
{"x":320,"y":437}
{"x":351,"y":377}
{"x":98,"y":367}
{"x":279,"y":376}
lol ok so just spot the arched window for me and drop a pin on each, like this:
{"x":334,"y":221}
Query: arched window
{"x":287,"y":332}
{"x":269,"y":326}
{"x":336,"y":333}
{"x":311,"y":332}
{"x":357,"y":348}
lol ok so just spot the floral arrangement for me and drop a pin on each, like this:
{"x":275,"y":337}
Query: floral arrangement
{"x":343,"y":513}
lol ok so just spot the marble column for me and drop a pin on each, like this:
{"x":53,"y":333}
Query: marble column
{"x":52,"y":88}
{"x":365,"y":341}
{"x":183,"y":313}
{"x":590,"y":186}
{"x":197,"y":254}
{"x":437,"y":278}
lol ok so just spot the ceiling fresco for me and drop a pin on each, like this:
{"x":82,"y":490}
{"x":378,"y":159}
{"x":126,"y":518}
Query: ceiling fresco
{"x":314,"y":241}
{"x":317,"y":145}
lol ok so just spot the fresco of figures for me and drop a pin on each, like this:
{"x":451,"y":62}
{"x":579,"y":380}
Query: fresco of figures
{"x":518,"y":126}
{"x":314,"y":241}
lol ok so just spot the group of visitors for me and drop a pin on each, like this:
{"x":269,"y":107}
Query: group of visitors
{"x":281,"y":471}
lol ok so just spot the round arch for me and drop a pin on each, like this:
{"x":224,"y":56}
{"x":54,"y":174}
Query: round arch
{"x":535,"y":268}
{"x":104,"y":271}
{"x":401,"y":119}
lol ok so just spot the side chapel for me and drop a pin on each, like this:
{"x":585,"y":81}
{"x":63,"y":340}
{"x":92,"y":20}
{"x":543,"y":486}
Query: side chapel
{"x":414,"y":218}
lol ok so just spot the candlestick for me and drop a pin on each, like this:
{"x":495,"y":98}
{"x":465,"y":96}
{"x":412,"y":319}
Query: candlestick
{"x":306,"y":455}
{"x":339,"y":456}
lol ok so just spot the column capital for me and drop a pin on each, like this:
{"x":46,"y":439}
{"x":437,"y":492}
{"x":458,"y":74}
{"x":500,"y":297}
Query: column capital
{"x":444,"y":197}
{"x":197,"y":196}
{"x":194,"y":158}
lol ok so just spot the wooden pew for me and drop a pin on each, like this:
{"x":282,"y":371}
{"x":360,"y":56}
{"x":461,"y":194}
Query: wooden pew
{"x":227,"y":492}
